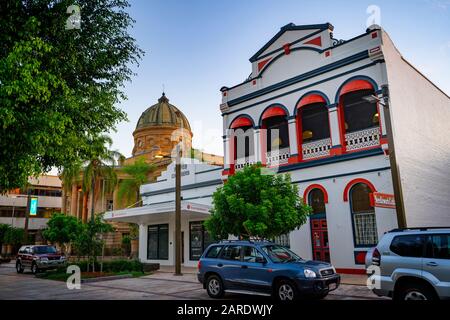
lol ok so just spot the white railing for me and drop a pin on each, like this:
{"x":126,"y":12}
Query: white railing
{"x":362,"y":139}
{"x":316,"y":149}
{"x":244,"y":162}
{"x":277,"y":157}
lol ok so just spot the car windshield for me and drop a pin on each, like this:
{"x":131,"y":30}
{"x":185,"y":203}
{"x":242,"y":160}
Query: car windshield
{"x":45,"y":249}
{"x":280,"y":254}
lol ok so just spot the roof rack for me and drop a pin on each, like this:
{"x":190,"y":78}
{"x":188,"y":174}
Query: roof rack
{"x":417,"y":228}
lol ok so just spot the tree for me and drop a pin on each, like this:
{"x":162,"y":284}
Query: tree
{"x":137,"y":175}
{"x":62,"y":229}
{"x":254,"y":205}
{"x":59,"y":88}
{"x":101,"y":166}
{"x":89,"y":241}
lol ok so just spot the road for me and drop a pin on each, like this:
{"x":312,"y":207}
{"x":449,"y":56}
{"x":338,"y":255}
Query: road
{"x":158,"y":286}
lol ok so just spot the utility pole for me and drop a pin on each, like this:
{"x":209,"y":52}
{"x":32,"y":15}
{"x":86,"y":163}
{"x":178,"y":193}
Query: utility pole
{"x":178,"y":253}
{"x":27,"y":216}
{"x":396,"y":181}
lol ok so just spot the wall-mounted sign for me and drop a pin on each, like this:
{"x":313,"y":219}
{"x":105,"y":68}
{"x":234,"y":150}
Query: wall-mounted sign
{"x":33,"y":206}
{"x":382,"y":200}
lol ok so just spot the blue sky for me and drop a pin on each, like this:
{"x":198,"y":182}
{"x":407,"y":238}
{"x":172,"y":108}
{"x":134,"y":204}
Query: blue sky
{"x":194,"y":47}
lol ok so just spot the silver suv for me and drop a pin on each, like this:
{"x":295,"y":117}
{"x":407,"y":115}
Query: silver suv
{"x":411,"y":264}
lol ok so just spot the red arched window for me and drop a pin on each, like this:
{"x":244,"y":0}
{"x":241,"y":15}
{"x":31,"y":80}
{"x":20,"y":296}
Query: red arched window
{"x":313,"y":127}
{"x":275,"y":135}
{"x":359,"y":115}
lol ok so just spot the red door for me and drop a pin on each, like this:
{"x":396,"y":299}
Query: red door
{"x":319,"y":240}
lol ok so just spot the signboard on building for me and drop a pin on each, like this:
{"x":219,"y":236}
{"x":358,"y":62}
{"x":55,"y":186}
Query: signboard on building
{"x":382,"y":200}
{"x":33,"y":206}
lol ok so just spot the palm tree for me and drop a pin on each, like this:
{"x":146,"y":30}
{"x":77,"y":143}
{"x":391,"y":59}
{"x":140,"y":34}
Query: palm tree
{"x":138,"y":174}
{"x":69,"y":175}
{"x":100,"y":166}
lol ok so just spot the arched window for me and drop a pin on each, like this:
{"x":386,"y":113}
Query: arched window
{"x":317,"y":201}
{"x":313,"y":127}
{"x":274,"y":123}
{"x":363,"y":215}
{"x":359,"y":116}
{"x":243,"y":146}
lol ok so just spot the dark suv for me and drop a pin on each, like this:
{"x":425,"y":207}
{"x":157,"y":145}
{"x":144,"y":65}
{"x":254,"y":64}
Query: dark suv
{"x":263,"y":268}
{"x":38,"y":258}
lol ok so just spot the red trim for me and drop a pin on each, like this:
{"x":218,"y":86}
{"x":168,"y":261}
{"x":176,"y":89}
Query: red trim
{"x":315,"y":186}
{"x":355,"y":181}
{"x":310,"y":99}
{"x":293,"y":159}
{"x":261,"y":64}
{"x":287,"y":48}
{"x":356,"y":85}
{"x":241,"y":122}
{"x":383,"y":140}
{"x":316,"y":41}
{"x":273,"y":112}
{"x":350,"y":271}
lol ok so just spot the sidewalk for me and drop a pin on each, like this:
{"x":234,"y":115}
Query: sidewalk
{"x":189,"y":275}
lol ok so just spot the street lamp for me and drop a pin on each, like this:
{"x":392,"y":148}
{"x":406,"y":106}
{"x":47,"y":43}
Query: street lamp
{"x":178,"y":253}
{"x":398,"y":193}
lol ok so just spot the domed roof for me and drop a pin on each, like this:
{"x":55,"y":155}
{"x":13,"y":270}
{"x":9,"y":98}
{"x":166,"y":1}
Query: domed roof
{"x":163,"y":114}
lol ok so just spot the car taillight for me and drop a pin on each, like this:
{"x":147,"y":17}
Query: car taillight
{"x":376,"y":257}
{"x":199,"y":265}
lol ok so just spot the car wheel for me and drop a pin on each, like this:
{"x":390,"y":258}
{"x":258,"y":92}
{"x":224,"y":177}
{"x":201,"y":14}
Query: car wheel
{"x":34,"y":268}
{"x":286,"y":291}
{"x":415,"y":291}
{"x":19,"y":267}
{"x":214,"y":287}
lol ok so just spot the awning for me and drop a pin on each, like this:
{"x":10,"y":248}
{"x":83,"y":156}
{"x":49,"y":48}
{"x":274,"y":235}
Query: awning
{"x":146,"y":214}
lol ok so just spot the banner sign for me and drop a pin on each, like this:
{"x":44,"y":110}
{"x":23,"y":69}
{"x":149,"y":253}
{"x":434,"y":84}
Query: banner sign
{"x":382,"y":200}
{"x":33,"y":206}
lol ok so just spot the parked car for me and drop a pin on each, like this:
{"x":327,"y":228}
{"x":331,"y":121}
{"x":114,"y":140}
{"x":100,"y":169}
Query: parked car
{"x":263,"y":268}
{"x":38,"y":257}
{"x":414,"y":264}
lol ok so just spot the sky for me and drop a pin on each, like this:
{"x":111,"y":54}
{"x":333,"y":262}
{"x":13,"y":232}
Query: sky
{"x":194,"y":47}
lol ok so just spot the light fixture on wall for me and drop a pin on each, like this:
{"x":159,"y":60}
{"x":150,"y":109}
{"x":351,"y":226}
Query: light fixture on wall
{"x":307,"y":134}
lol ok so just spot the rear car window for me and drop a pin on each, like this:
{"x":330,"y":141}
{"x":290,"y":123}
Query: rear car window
{"x":441,"y":246}
{"x":213,"y":252}
{"x":231,"y":253}
{"x":408,"y":245}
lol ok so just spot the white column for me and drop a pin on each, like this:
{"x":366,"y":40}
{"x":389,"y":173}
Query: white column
{"x":226,"y":152}
{"x":334,"y":126}
{"x":381,"y":116}
{"x":257,"y":142}
{"x":293,"y":136}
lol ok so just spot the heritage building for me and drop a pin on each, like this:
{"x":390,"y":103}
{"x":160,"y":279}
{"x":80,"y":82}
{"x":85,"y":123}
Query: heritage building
{"x":158,"y":130}
{"x":319,"y":108}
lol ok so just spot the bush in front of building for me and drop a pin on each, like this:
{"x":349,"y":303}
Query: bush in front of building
{"x":252,"y":204}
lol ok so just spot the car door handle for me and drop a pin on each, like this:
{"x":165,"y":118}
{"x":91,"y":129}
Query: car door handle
{"x":432,"y":264}
{"x":220,"y":265}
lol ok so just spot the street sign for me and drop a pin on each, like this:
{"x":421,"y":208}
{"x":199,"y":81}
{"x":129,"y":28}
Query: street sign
{"x":33,"y":206}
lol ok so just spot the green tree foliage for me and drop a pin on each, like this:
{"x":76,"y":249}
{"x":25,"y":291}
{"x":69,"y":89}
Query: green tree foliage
{"x":14,"y":236}
{"x":255,"y":205}
{"x":89,"y":241}
{"x":137,"y":175}
{"x":59,"y":88}
{"x":62,"y":229}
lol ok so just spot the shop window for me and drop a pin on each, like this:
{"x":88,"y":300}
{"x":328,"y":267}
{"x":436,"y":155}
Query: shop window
{"x":363,"y":214}
{"x":199,"y":240}
{"x":314,"y":122}
{"x":158,"y":242}
{"x":359,"y":114}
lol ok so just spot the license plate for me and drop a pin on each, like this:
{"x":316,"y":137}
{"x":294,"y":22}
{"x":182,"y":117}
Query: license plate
{"x":332,"y":286}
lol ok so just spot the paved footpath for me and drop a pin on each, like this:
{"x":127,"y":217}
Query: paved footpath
{"x":158,"y":286}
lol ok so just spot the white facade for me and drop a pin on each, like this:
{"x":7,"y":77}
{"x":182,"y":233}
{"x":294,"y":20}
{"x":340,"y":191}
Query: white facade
{"x":316,"y":91}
